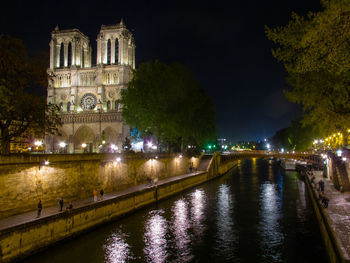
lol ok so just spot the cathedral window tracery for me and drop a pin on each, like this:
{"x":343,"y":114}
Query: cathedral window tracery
{"x":116,"y":48}
{"x":69,"y":62}
{"x":109,"y":51}
{"x":62,"y":56}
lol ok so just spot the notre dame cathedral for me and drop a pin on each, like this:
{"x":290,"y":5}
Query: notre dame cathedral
{"x":88,"y":94}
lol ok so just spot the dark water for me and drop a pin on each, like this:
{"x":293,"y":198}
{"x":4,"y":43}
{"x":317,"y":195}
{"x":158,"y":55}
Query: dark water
{"x":256,"y":213}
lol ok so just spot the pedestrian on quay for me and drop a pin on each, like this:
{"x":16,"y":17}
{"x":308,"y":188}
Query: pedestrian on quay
{"x":60,"y":203}
{"x":101,"y":194}
{"x":95,"y":195}
{"x":321,"y":185}
{"x":40,"y":207}
{"x":70,"y":207}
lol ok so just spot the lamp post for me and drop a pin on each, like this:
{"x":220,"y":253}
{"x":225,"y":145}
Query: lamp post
{"x":63,"y":147}
{"x":83,"y":145}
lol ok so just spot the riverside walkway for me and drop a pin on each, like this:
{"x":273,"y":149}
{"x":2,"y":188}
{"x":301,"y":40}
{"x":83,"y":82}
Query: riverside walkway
{"x":46,"y":212}
{"x":337,"y":214}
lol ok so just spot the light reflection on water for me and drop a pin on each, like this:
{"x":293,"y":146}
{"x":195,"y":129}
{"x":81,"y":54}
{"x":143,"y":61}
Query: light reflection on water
{"x":226,"y":236}
{"x":180,"y":229}
{"x":270,"y":213}
{"x":117,"y":250}
{"x":155,"y":237}
{"x":198,"y":202}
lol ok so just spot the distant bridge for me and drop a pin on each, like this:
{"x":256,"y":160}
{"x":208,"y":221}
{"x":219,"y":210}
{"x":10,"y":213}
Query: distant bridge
{"x":304,"y":156}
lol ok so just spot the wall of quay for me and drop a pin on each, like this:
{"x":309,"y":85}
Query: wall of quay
{"x":25,"y":178}
{"x":19,"y":241}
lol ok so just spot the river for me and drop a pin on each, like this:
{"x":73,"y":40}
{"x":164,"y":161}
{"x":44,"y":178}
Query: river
{"x":255,"y":213}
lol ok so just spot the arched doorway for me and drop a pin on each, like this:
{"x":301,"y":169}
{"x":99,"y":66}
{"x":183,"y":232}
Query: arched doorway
{"x":84,"y":139}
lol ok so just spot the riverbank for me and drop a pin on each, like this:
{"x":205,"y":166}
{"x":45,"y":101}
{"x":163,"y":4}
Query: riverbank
{"x":24,"y":234}
{"x":334,"y":220}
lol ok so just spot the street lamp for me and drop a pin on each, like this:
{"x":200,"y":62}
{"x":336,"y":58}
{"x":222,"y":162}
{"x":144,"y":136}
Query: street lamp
{"x":62,"y":145}
{"x":83,"y":145}
{"x":38,"y":143}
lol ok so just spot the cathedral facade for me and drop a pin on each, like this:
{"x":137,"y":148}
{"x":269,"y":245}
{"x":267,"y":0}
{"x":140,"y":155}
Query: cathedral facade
{"x":87,"y":94}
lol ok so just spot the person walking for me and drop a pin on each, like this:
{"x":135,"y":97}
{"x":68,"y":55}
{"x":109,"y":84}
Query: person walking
{"x":60,"y":202}
{"x":95,"y":195}
{"x":101,"y":194}
{"x":40,"y":207}
{"x":321,"y":185}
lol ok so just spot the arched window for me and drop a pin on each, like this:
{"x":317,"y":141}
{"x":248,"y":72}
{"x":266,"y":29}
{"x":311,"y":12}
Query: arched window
{"x":109,"y":51}
{"x":108,"y":105}
{"x":116,"y":105}
{"x":116,"y":50}
{"x":62,"y":56}
{"x":82,"y":63}
{"x":69,"y":55}
{"x":68,"y":106}
{"x":61,"y":106}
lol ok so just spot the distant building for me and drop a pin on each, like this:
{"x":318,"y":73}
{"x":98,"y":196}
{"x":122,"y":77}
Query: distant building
{"x":88,"y":94}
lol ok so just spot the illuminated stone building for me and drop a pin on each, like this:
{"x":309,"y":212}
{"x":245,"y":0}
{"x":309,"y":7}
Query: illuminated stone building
{"x":87,"y":94}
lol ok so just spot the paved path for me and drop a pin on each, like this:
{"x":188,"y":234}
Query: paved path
{"x":49,"y":211}
{"x":338,"y":213}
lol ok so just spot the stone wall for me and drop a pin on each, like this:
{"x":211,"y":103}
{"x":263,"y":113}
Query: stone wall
{"x":25,"y":178}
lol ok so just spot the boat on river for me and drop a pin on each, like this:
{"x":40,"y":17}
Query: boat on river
{"x":288,"y":164}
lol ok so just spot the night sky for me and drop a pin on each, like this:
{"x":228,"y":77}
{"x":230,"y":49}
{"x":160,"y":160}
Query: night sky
{"x":223,"y":42}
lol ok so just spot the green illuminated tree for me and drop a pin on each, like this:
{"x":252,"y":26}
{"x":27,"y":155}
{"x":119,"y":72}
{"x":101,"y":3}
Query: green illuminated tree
{"x":315,"y":52}
{"x":21,"y":114}
{"x":167,"y":101}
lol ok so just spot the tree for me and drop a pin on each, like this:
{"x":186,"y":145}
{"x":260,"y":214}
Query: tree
{"x":21,"y":113}
{"x":296,"y":137}
{"x":167,"y":101}
{"x":315,"y":52}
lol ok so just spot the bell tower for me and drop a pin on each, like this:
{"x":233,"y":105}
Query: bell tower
{"x":115,"y":46}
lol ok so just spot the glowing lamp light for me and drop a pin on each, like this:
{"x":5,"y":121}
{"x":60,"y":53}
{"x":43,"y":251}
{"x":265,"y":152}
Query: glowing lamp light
{"x":114,"y":147}
{"x":103,"y":142}
{"x":180,"y":156}
{"x":62,"y":144}
{"x":46,"y":162}
{"x":149,"y":144}
{"x":344,"y":159}
{"x":83,"y":145}
{"x":156,"y":157}
{"x":339,"y":153}
{"x":154,"y":147}
{"x":282,"y":150}
{"x":38,"y":143}
{"x":118,"y":159}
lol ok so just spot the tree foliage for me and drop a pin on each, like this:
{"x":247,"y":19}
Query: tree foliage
{"x":315,"y":53}
{"x":21,"y":113}
{"x":296,"y":137}
{"x":167,"y":101}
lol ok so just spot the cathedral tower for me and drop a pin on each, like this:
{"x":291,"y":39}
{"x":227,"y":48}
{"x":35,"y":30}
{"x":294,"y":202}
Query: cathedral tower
{"x":86,"y":94}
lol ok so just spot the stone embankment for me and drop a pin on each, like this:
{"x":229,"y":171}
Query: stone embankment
{"x":23,"y":234}
{"x":334,"y":220}
{"x":74,"y":176}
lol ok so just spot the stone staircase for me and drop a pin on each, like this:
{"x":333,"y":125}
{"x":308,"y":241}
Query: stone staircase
{"x":340,"y":175}
{"x":204,"y":163}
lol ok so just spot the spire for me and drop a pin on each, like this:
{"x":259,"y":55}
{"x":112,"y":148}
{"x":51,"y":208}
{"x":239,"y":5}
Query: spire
{"x":122,"y":23}
{"x":57,"y":28}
